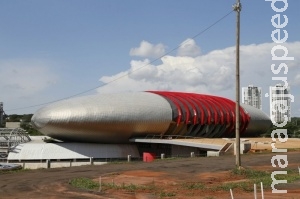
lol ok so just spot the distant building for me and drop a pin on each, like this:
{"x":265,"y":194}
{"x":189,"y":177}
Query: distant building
{"x":13,"y":125}
{"x":251,"y":95}
{"x":1,"y":114}
{"x":280,"y":103}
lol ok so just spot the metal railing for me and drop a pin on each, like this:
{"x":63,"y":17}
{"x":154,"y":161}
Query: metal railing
{"x":10,"y":138}
{"x":151,"y":136}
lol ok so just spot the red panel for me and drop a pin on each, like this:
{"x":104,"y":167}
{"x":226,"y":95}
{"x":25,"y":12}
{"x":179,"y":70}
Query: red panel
{"x":186,"y":102}
{"x":148,"y":157}
{"x":201,"y":112}
{"x":186,"y":107}
{"x":165,"y":94}
{"x":201,"y":100}
{"x":229,"y":106}
{"x":193,"y":103}
{"x":211,"y":102}
{"x":223,"y":109}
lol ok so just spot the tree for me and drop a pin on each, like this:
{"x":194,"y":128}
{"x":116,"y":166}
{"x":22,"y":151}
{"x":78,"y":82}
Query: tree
{"x":293,"y":128}
{"x":25,"y":123}
{"x":28,"y":127}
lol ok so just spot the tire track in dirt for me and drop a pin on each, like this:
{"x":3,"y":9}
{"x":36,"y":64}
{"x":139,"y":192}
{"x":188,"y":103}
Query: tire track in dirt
{"x":53,"y":183}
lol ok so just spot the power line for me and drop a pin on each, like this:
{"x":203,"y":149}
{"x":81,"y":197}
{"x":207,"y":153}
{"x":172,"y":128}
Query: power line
{"x":130,"y":72}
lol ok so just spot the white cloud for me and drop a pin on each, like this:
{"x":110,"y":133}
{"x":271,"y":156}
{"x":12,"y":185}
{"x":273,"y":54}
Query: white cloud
{"x":296,"y":81}
{"x":147,"y":49}
{"x":212,"y":73}
{"x":142,"y":69}
{"x":189,"y":48}
{"x":24,"y":79}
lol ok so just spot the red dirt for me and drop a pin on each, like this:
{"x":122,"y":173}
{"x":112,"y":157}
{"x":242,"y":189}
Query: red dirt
{"x":167,"y":175}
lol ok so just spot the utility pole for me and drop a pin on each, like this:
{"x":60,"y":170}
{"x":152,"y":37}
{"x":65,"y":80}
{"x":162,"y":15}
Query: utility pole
{"x":237,"y":7}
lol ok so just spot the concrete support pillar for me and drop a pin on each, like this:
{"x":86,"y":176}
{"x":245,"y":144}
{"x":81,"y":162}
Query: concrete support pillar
{"x":192,"y":154}
{"x":48,"y":164}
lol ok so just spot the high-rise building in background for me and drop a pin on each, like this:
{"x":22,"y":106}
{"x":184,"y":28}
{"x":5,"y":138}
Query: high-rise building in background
{"x":280,"y":103}
{"x":251,"y":95}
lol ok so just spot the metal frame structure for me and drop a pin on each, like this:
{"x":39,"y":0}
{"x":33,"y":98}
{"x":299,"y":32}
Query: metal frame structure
{"x":203,"y":115}
{"x":10,"y":138}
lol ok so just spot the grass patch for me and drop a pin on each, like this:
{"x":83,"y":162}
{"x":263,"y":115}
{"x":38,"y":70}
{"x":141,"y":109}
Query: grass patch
{"x":84,"y":183}
{"x":256,"y":177}
{"x":88,"y":184}
{"x":250,"y":173}
{"x":14,"y":171}
{"x":245,"y":186}
{"x":167,"y":194}
{"x":249,"y":177}
{"x":129,"y":187}
{"x":193,"y":185}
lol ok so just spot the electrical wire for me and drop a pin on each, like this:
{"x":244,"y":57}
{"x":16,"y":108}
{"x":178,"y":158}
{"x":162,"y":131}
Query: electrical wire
{"x":130,"y":72}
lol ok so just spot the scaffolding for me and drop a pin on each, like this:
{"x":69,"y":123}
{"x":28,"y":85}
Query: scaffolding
{"x":10,"y":138}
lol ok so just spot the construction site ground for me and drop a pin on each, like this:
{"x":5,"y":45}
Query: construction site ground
{"x":167,"y":175}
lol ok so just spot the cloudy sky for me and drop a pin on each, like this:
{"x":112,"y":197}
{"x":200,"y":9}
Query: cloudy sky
{"x":56,"y":49}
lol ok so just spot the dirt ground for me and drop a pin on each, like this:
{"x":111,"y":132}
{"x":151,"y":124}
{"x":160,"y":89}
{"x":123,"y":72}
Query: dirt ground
{"x":165,"y":174}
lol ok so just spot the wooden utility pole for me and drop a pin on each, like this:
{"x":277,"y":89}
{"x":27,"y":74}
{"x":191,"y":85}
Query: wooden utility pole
{"x":237,"y":7}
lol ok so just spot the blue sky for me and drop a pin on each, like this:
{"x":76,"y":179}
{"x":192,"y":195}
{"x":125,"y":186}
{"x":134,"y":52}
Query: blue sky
{"x":55,"y":49}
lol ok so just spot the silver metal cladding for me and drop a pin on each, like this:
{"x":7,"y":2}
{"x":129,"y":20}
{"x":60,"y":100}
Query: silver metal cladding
{"x":115,"y":118}
{"x":259,"y":121}
{"x":106,"y":118}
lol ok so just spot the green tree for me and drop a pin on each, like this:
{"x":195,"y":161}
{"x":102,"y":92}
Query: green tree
{"x":293,"y":128}
{"x":25,"y":123}
{"x":28,"y":127}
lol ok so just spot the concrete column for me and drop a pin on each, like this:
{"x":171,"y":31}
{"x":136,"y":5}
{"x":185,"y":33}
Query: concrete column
{"x":48,"y":164}
{"x":192,"y":154}
{"x":162,"y":156}
{"x":91,"y":160}
{"x":129,"y":158}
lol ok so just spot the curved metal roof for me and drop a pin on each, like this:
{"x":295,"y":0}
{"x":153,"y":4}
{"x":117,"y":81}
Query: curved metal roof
{"x":115,"y":118}
{"x":107,"y":118}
